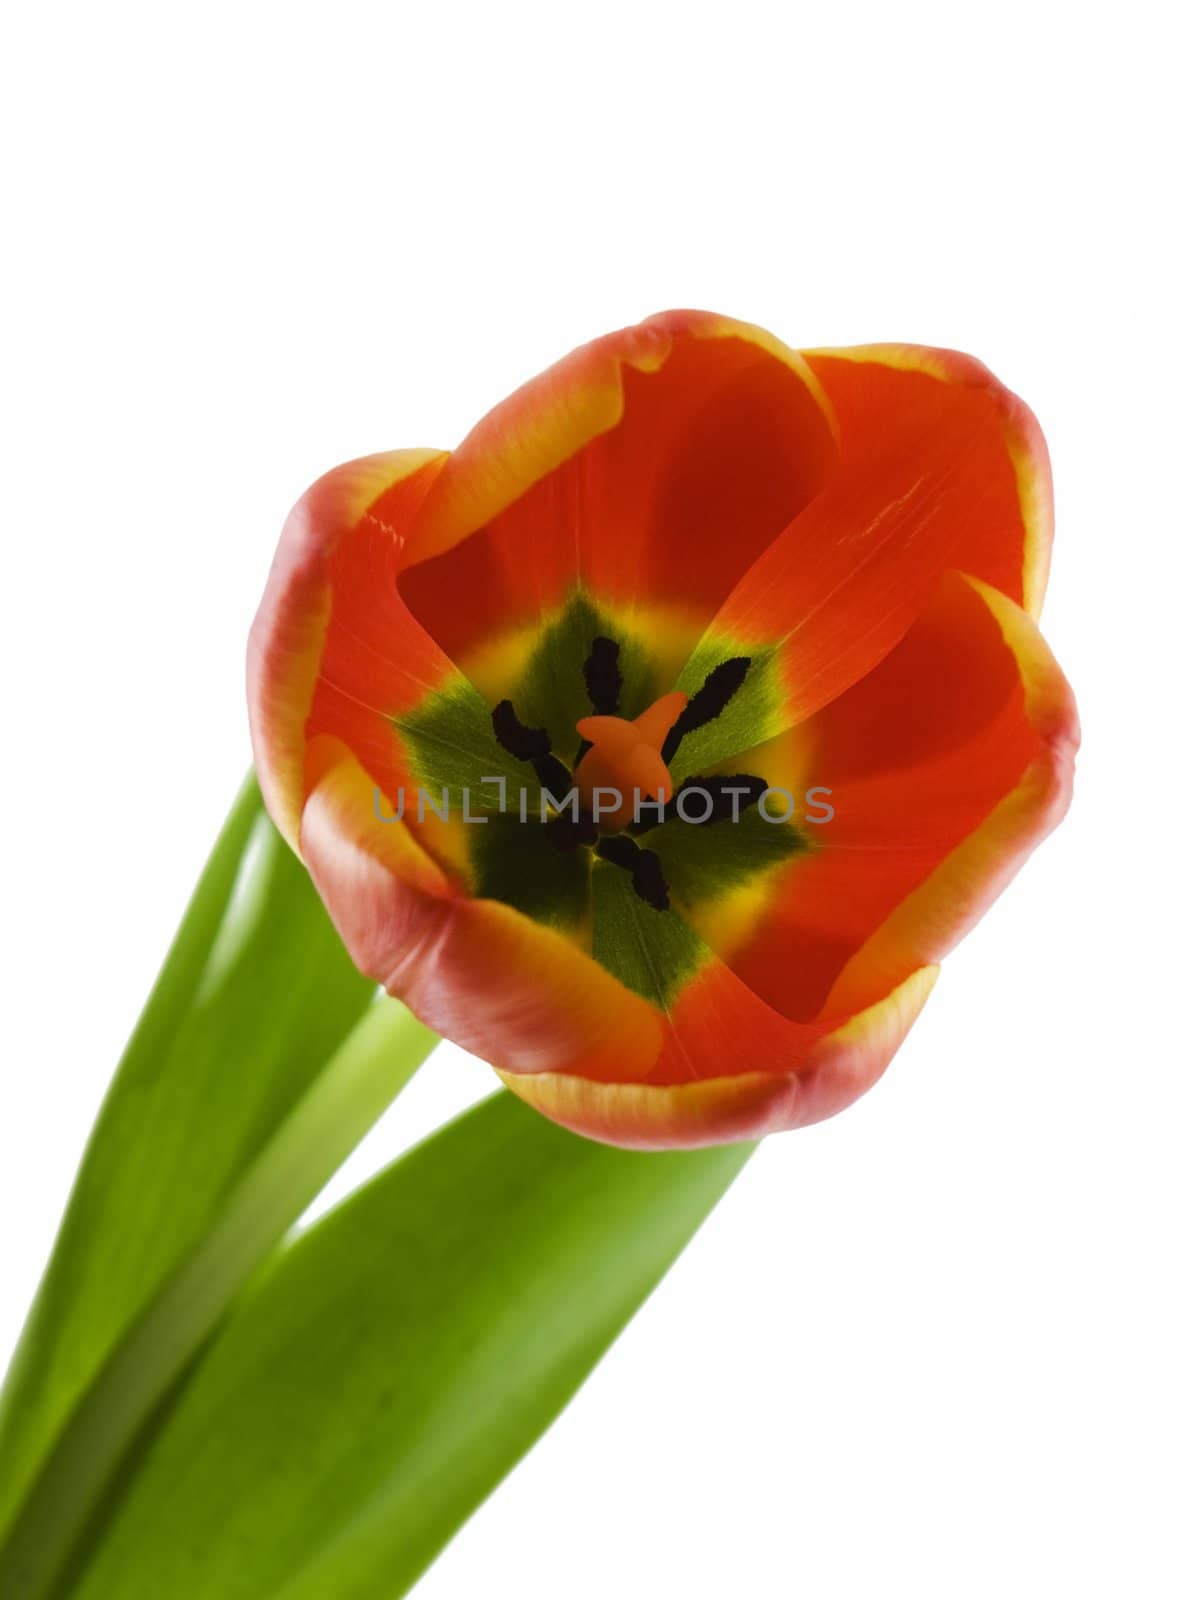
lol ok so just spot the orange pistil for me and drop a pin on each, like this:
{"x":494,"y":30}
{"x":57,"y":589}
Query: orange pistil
{"x":625,"y":759}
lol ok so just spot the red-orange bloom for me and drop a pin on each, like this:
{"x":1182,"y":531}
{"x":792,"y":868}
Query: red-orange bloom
{"x":793,"y":597}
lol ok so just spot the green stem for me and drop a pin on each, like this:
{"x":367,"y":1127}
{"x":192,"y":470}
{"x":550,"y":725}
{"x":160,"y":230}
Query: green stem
{"x":362,"y":1078}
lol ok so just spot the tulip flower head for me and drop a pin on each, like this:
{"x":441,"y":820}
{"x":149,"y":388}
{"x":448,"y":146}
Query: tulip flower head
{"x":542,"y":716}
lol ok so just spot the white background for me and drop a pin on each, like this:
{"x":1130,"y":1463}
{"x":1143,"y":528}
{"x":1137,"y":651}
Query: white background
{"x":943,"y":1345}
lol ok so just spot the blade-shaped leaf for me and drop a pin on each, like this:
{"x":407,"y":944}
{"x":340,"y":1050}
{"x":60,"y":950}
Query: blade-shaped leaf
{"x":389,"y":1367}
{"x":231,"y":1107}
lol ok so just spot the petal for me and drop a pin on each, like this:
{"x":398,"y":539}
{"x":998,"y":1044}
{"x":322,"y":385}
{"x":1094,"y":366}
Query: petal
{"x":519,"y":994}
{"x":944,"y":767}
{"x":940,"y":468}
{"x":533,"y":1003}
{"x":931,"y":920}
{"x":1009,"y":547}
{"x":827,"y":1074}
{"x":650,"y":467}
{"x":289,"y":633}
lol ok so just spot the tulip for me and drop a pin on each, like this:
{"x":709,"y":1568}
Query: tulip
{"x":675,"y":584}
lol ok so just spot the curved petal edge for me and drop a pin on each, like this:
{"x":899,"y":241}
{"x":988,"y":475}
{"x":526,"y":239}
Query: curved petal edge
{"x":287,"y":636}
{"x":843,"y":1065}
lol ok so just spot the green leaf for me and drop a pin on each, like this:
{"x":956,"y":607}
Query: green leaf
{"x":259,"y":1062}
{"x":388,"y":1368}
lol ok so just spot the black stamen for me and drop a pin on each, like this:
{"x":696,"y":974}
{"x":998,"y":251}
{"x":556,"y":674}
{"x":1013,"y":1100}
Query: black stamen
{"x":728,"y":788}
{"x":726,"y":791}
{"x":620,"y":850}
{"x":708,"y":702}
{"x":602,"y":676}
{"x":649,"y":884}
{"x":566,"y":832}
{"x":532,"y":745}
{"x":526,"y":744}
{"x":553,"y":777}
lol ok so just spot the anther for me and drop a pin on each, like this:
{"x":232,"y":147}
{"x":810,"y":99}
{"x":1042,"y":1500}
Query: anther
{"x":708,"y":702}
{"x":731,"y":792}
{"x":526,"y":744}
{"x":649,"y":884}
{"x":602,"y":676}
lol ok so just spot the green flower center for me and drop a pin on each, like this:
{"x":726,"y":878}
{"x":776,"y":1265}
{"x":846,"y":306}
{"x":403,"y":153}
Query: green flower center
{"x":626,"y":884}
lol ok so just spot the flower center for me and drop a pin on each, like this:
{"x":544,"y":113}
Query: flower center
{"x":623,"y":765}
{"x":621,"y":769}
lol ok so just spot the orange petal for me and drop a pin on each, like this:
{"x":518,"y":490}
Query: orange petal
{"x":504,"y":987}
{"x":1008,"y":542}
{"x":290,"y":630}
{"x":826,"y":1075}
{"x":651,"y":465}
{"x":944,"y":767}
{"x":931,"y":920}
{"x":940,"y":469}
